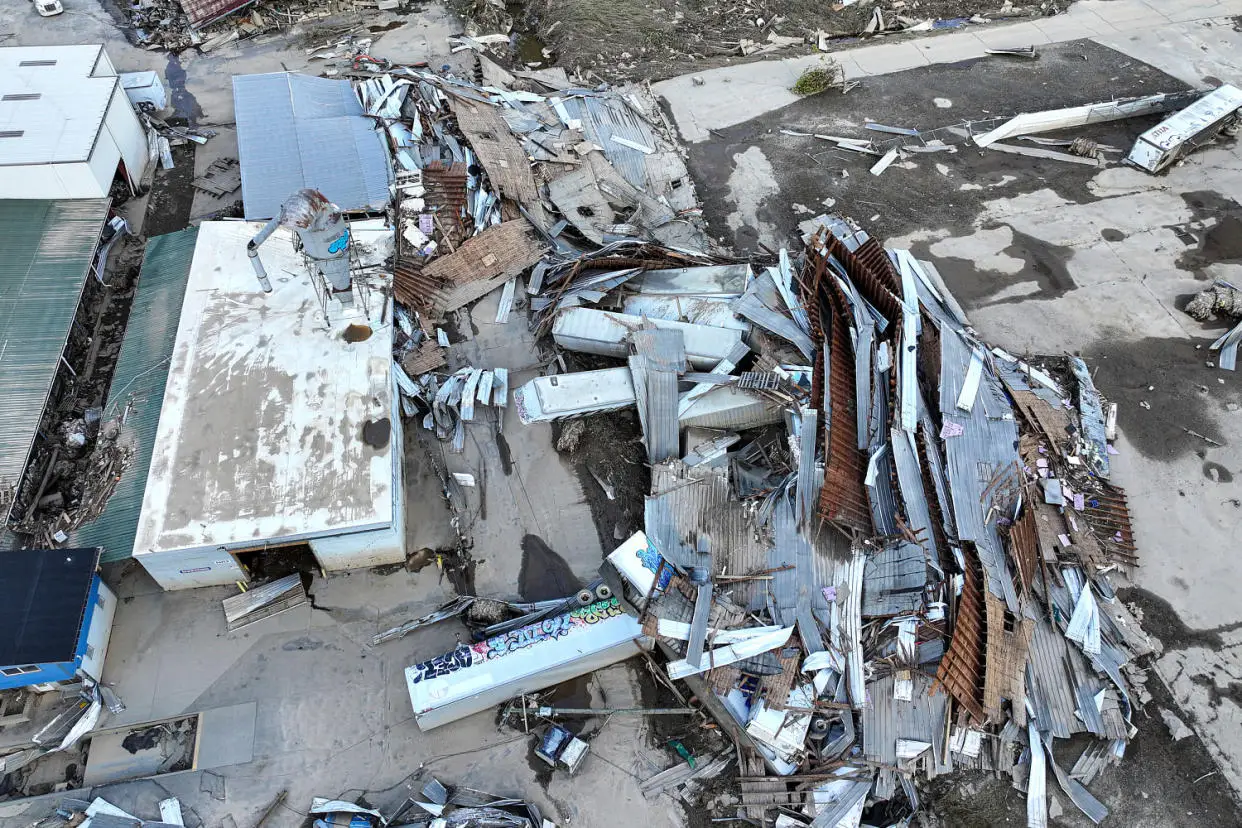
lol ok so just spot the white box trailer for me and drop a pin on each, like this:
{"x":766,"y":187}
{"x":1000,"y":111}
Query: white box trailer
{"x":572,"y":395}
{"x":592,"y":331}
{"x":475,"y":677}
{"x":1185,"y":130}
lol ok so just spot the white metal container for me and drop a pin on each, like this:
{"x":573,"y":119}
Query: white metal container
{"x":1182,"y":131}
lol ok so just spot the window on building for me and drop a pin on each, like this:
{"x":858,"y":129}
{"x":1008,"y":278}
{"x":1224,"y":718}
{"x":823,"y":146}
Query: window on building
{"x":99,"y":600}
{"x":12,"y":133}
{"x":20,"y":671}
{"x":37,"y":63}
{"x":23,"y":96}
{"x":90,"y":650}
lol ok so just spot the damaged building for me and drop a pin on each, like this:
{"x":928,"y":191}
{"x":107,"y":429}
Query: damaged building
{"x":312,"y":459}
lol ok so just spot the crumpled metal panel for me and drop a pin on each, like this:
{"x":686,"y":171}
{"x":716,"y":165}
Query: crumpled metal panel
{"x":48,"y":249}
{"x":894,"y":580}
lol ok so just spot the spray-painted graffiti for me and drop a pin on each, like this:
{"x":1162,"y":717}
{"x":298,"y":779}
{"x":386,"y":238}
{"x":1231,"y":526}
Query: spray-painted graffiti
{"x":548,"y":629}
{"x":339,"y":243}
{"x":651,"y":559}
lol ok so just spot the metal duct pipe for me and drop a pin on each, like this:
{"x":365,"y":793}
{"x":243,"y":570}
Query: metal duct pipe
{"x":252,"y":250}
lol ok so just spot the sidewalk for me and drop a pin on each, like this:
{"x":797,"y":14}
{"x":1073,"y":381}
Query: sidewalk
{"x":733,"y":94}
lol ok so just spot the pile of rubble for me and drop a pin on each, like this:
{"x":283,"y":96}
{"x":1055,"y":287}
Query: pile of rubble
{"x":176,"y":25}
{"x":876,"y":548}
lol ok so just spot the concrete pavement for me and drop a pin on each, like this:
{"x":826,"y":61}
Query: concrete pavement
{"x":735,"y":94}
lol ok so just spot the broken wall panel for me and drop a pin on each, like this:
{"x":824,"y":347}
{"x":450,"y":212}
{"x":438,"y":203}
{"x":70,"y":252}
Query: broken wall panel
{"x":1005,"y":674}
{"x":498,"y":151}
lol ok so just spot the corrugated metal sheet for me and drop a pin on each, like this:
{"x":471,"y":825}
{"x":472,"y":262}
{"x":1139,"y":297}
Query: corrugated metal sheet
{"x":663,"y":356}
{"x":48,"y":249}
{"x":888,"y":719}
{"x":982,"y":462}
{"x":762,"y":304}
{"x":1047,"y":685}
{"x":894,"y":579}
{"x":295,"y":131}
{"x":137,"y":391}
{"x":202,"y":12}
{"x":604,"y":117}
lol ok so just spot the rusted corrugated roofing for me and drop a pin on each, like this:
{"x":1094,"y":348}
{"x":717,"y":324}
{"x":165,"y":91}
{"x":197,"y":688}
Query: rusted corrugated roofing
{"x":498,"y":151}
{"x":842,"y":498}
{"x":202,"y":12}
{"x":961,"y":670}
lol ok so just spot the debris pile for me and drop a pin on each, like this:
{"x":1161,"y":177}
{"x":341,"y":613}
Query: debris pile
{"x":890,"y":144}
{"x":876,"y":548}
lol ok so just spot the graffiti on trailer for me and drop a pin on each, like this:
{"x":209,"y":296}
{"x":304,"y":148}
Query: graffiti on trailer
{"x":548,"y":629}
{"x":651,"y":560}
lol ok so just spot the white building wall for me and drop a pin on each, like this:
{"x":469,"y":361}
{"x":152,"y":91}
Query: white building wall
{"x":122,"y":126}
{"x":398,"y":465}
{"x":358,"y":550}
{"x":99,"y":633}
{"x":51,"y":181}
{"x":190,"y":568}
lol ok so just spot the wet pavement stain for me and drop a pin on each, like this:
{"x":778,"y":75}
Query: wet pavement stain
{"x":1162,"y":621}
{"x":1176,"y":373}
{"x":1110,"y":235}
{"x":184,"y":104}
{"x":377,"y":433}
{"x":1221,"y":242}
{"x":974,"y":286}
{"x":545,"y":575}
{"x":506,"y":456}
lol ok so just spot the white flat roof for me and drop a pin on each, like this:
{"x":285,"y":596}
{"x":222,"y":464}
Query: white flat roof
{"x":261,"y":436}
{"x":53,"y":100}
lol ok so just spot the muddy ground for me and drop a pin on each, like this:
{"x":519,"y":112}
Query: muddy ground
{"x":656,"y":39}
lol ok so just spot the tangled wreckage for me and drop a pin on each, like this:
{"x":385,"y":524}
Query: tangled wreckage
{"x":876,"y":548}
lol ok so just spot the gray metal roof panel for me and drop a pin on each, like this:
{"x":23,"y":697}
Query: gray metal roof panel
{"x":894,"y":579}
{"x":296,"y":131}
{"x":48,"y":251}
{"x":985,"y":450}
{"x":137,"y":392}
{"x":604,"y":117}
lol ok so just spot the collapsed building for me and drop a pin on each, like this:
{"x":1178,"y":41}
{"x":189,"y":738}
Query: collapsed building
{"x":874,"y":547}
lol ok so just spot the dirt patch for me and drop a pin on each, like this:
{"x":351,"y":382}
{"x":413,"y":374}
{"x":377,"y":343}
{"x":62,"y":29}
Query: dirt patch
{"x":626,"y":39}
{"x":377,"y":433}
{"x":611,"y":466}
{"x":356,"y":333}
{"x":1185,"y":394}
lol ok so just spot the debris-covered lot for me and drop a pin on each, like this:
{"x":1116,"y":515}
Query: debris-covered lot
{"x":868,"y":463}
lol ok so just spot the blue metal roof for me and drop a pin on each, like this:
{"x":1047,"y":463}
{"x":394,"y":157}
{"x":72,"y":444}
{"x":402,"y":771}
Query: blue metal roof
{"x":137,"y":392}
{"x":296,"y":131}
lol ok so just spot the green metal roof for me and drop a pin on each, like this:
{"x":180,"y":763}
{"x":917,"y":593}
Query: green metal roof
{"x":137,"y":392}
{"x":47,"y":248}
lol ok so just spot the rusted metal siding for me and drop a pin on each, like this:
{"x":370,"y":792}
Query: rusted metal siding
{"x":961,"y":670}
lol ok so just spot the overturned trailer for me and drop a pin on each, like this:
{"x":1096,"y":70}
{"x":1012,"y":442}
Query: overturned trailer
{"x":1183,"y":131}
{"x":474,"y":677}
